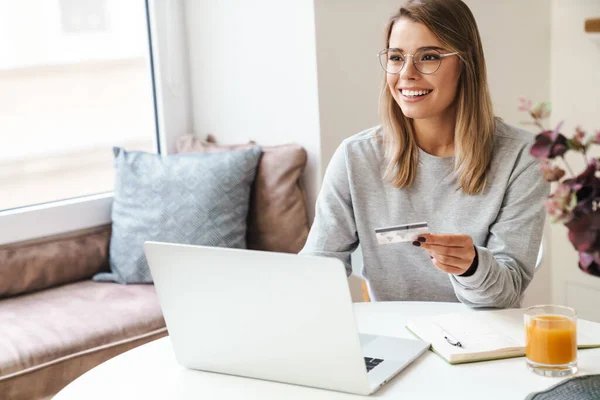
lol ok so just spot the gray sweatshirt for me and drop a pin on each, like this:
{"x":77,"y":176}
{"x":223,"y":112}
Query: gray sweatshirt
{"x":505,"y":222}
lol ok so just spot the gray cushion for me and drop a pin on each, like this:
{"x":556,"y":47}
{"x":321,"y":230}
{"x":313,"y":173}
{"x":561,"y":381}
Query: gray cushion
{"x":585,"y":387}
{"x":182,"y":198}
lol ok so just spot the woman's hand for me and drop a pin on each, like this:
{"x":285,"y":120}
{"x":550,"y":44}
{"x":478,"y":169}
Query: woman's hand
{"x":453,"y":254}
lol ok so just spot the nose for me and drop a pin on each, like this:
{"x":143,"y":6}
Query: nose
{"x":408,"y":71}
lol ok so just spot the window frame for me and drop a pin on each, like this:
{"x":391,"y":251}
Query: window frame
{"x":172,"y":117}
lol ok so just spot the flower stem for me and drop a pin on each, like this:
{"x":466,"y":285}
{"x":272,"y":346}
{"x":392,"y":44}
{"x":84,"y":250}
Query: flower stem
{"x":539,"y":124}
{"x":568,"y":166}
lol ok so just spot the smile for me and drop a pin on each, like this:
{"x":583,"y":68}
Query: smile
{"x":411,"y":94}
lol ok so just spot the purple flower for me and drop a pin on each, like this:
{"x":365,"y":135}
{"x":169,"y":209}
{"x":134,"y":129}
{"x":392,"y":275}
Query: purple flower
{"x":560,"y":204}
{"x":584,"y":240}
{"x":579,"y":134}
{"x":586,"y":185}
{"x":541,"y":110}
{"x":525,"y":104}
{"x":584,"y":222}
{"x":596,"y":139}
{"x":589,"y":263}
{"x":577,"y":142}
{"x":576,"y":201}
{"x":550,"y":172}
{"x":549,"y":144}
{"x":554,"y":209}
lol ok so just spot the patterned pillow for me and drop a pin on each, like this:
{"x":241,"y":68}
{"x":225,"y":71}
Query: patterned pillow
{"x":183,"y":198}
{"x":278,"y":215}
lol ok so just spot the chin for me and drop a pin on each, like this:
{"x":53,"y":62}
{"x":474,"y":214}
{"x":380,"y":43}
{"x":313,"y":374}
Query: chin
{"x":410,"y":112}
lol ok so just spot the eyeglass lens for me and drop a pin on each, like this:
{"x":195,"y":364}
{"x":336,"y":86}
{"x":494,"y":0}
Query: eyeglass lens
{"x":425,"y":61}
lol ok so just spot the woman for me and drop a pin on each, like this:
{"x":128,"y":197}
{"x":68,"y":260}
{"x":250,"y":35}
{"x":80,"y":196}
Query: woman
{"x":440,"y":156}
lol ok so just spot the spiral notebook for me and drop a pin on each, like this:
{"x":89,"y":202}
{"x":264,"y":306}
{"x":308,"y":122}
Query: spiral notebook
{"x":485,"y":335}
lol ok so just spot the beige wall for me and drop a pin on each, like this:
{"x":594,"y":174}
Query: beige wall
{"x":575,"y":81}
{"x":349,"y":35}
{"x":516,"y":39}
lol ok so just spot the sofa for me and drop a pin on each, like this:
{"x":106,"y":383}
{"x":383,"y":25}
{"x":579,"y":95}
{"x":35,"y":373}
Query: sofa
{"x":57,"y":323}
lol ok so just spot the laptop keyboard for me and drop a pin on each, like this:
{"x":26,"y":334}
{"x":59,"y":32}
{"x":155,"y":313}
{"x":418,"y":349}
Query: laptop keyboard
{"x":372,"y":362}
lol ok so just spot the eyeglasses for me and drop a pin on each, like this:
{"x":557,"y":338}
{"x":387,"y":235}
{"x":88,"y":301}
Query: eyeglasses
{"x":426,"y":61}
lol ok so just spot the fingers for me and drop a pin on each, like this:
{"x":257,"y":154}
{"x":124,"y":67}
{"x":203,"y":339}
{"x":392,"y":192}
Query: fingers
{"x":457,"y":252}
{"x":452,"y":261}
{"x":451,"y":240}
{"x":452,"y":254}
{"x":450,"y":269}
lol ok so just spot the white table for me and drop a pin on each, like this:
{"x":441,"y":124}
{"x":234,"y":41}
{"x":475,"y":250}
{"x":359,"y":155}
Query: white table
{"x":151,"y":371}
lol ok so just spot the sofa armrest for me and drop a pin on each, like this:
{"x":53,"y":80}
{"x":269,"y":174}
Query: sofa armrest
{"x":53,"y":261}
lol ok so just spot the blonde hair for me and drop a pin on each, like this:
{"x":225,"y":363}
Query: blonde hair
{"x":453,"y":24}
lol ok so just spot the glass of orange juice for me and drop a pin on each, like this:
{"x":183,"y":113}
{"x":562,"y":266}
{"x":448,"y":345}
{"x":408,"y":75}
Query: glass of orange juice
{"x":551,"y":340}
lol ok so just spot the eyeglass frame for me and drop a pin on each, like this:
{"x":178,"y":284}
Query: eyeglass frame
{"x":412,"y":56}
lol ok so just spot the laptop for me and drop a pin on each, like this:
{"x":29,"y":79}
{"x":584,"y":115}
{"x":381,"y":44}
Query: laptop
{"x":273,"y":316}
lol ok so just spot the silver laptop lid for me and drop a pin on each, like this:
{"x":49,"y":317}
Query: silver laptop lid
{"x":274,"y":316}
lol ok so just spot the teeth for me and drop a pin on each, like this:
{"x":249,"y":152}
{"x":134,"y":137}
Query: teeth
{"x":415,"y":92}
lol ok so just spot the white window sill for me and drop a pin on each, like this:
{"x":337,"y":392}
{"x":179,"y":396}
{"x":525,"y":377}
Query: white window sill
{"x":55,"y":218}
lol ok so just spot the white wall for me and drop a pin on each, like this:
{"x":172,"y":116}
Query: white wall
{"x":253,"y":74}
{"x":575,"y":81}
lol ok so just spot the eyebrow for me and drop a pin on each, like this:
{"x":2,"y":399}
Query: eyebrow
{"x":420,"y":48}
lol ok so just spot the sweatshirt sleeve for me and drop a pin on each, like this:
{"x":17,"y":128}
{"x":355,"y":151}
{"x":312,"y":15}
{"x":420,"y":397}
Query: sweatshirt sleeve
{"x":333,"y":233}
{"x":507,"y":262}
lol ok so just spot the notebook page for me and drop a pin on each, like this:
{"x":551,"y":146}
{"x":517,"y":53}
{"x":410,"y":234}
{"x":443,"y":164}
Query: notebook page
{"x":486,"y":334}
{"x":588,"y":333}
{"x":512,"y":323}
{"x":479,"y":331}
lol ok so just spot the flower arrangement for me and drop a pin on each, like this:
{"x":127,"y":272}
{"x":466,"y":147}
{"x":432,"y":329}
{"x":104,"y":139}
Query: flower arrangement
{"x":575,"y":199}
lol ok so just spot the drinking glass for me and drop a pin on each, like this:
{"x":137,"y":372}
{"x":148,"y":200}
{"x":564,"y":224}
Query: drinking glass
{"x":551,"y":340}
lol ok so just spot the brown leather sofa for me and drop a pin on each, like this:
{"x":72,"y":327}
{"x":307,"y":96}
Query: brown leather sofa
{"x":56,"y":323}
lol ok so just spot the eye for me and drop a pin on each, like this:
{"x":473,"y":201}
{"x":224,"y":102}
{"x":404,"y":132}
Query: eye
{"x":395,"y":57}
{"x":429,"y":56}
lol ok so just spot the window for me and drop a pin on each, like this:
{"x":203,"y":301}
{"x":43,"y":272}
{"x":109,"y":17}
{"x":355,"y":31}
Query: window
{"x":75,"y":80}
{"x":83,"y":15}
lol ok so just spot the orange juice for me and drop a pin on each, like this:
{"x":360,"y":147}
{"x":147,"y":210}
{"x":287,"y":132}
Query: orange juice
{"x":551,"y":339}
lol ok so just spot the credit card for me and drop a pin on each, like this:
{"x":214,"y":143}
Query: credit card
{"x":401,"y":233}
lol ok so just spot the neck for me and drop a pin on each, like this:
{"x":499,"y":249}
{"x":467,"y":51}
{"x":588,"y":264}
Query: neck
{"x":435,"y":135}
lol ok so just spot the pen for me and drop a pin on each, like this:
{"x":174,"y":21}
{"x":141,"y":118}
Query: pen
{"x":449,"y":337}
{"x":451,"y":340}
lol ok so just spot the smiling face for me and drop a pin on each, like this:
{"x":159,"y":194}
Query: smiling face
{"x":422,"y":96}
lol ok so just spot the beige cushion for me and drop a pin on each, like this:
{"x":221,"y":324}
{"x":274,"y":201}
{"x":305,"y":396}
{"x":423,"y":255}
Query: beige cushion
{"x":49,"y":338}
{"x":40,"y":264}
{"x":277,"y":219}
